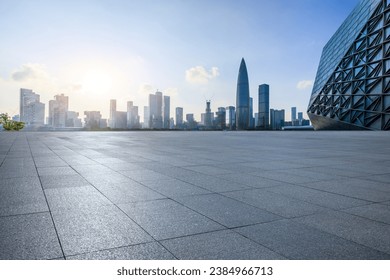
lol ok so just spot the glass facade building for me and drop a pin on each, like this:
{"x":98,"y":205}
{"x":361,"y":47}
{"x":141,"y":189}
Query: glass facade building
{"x":263,"y":116}
{"x":242,"y":98}
{"x":352,"y":86}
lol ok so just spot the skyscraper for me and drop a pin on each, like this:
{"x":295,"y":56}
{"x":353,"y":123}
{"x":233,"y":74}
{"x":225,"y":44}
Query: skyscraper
{"x":300,"y":118}
{"x":221,"y":118}
{"x":32,"y":111}
{"x":277,"y":119}
{"x":166,"y":112}
{"x":146,"y":117}
{"x":208,"y":117}
{"x":155,"y":110}
{"x":179,"y":117}
{"x":242,"y":98}
{"x":231,"y":116}
{"x":58,"y":109}
{"x":112,"y":113}
{"x":251,"y":119}
{"x":132,"y":115}
{"x":263,"y":116}
{"x":92,"y":119}
{"x":293,"y":113}
{"x":352,"y":85}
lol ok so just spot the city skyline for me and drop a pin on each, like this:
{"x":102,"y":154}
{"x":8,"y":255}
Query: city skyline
{"x":111,"y":53}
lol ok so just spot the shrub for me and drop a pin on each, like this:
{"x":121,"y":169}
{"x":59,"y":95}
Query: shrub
{"x":9,"y":124}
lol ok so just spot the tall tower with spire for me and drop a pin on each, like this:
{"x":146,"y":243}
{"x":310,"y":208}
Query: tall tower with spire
{"x":242,"y":98}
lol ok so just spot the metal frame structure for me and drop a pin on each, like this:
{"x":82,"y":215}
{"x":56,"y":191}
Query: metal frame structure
{"x":357,"y":93}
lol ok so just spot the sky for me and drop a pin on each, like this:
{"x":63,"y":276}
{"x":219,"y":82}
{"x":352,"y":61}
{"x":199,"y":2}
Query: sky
{"x":94,"y":51}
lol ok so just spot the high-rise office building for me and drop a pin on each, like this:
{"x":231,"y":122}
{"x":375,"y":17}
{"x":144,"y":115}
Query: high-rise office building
{"x":159,"y":115}
{"x":32,"y":111}
{"x":208,"y":116}
{"x":300,"y":118}
{"x":179,"y":117}
{"x":293,"y":113}
{"x":146,"y":117}
{"x":120,"y":120}
{"x":221,"y":118}
{"x":251,"y":118}
{"x":92,"y":119}
{"x":132,"y":116}
{"x":242,"y":98}
{"x":352,"y":85}
{"x":277,"y":119}
{"x":171,"y":123}
{"x":57,"y":111}
{"x":111,"y":122}
{"x":231,"y":117}
{"x":190,"y":118}
{"x":263,"y":116}
{"x":166,"y":112}
{"x":72,"y":119}
{"x":155,"y":110}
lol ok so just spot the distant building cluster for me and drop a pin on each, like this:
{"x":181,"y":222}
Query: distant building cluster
{"x":266,"y":118}
{"x":157,"y":113}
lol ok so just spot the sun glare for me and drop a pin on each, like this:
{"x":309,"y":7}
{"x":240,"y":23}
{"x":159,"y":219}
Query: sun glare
{"x":97,"y":82}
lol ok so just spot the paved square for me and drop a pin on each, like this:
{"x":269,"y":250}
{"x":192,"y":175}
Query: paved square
{"x":194,"y":195}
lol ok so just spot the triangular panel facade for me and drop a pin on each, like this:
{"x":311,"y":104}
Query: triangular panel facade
{"x":357,"y":93}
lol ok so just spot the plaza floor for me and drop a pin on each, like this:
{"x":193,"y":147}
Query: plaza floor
{"x":195,"y":195}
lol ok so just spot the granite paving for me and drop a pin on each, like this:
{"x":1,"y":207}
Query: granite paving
{"x":195,"y":195}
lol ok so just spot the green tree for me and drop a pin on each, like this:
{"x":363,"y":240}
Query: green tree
{"x":9,"y":124}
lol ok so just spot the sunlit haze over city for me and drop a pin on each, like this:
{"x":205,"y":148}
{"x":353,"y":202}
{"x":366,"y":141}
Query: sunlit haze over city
{"x":94,"y":51}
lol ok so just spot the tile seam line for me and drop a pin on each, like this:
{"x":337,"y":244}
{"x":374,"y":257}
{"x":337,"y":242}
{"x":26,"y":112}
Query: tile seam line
{"x":302,"y":186}
{"x":349,"y":240}
{"x":47,"y":203}
{"x":10,"y":147}
{"x":112,"y":248}
{"x":116,"y":206}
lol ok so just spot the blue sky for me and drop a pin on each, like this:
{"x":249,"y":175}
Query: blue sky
{"x":94,"y":51}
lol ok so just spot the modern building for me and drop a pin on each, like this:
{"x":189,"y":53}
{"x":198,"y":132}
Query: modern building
{"x":256,"y":120}
{"x":190,"y":118}
{"x":277,"y":119}
{"x":242,"y":98}
{"x":231,"y":117}
{"x":251,"y":118}
{"x":220,"y":122}
{"x":57,"y":111}
{"x":166,"y":112}
{"x":111,"y":122}
{"x":263,"y":116}
{"x":352,"y":85}
{"x":93,"y":119}
{"x":293,"y":114}
{"x":72,"y":119}
{"x":300,"y":118}
{"x":118,"y":119}
{"x":208,"y":116}
{"x":179,"y":117}
{"x":155,"y":110}
{"x":32,"y":111}
{"x":132,"y":116}
{"x":146,"y":117}
{"x":171,"y":123}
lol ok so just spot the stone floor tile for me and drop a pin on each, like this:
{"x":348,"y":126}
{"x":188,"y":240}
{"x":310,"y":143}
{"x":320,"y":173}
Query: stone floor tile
{"x":165,"y":218}
{"x":29,"y":236}
{"x":220,"y":245}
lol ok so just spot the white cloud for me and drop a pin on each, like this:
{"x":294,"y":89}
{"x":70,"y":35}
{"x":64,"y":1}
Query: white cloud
{"x":29,"y":71}
{"x":200,"y":75}
{"x":172,"y":92}
{"x":305,"y":84}
{"x":145,"y":90}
